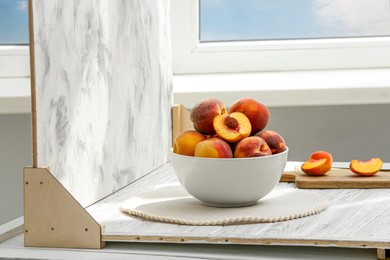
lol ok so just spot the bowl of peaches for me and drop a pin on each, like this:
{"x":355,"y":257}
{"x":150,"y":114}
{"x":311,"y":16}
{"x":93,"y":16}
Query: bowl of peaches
{"x":229,"y":159}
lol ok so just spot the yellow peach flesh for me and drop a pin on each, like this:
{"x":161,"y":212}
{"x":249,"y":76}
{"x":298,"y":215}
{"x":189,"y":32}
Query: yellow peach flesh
{"x":366,"y":168}
{"x":232,"y":128}
{"x":316,"y":167}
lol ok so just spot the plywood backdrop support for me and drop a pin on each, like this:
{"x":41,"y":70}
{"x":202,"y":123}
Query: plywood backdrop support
{"x":101,"y":98}
{"x":52,"y":217}
{"x":383,"y":254}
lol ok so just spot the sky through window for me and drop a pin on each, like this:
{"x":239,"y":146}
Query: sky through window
{"x":13,"y":22}
{"x":225,"y":20}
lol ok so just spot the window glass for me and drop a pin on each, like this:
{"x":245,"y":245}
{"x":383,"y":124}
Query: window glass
{"x":13,"y":22}
{"x":229,"y":20}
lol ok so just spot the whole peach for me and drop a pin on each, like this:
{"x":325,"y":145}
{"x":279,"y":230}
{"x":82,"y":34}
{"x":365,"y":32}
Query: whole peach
{"x":274,"y":140}
{"x":202,"y":115}
{"x":213,"y":148}
{"x":252,"y":146}
{"x":257,"y":113}
{"x":186,"y":141}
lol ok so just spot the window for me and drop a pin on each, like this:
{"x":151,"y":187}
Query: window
{"x":298,"y":52}
{"x":296,"y":70}
{"x":14,"y":54}
{"x":14,"y":57}
{"x":232,"y":20}
{"x":13,"y":22}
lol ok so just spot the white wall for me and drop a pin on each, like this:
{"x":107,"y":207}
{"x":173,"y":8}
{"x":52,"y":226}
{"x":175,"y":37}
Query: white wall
{"x":15,"y":153}
{"x":347,"y":132}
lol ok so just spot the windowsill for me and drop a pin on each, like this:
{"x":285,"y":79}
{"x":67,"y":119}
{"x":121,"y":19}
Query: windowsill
{"x":274,"y":89}
{"x":15,"y":96}
{"x":284,"y":89}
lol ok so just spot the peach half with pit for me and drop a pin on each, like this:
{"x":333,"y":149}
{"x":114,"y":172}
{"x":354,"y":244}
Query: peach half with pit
{"x":202,"y":115}
{"x":366,"y":168}
{"x":186,"y":141}
{"x":252,"y":146}
{"x":233,"y":127}
{"x":213,"y":148}
{"x":274,"y":140}
{"x":320,"y":163}
{"x":257,"y":113}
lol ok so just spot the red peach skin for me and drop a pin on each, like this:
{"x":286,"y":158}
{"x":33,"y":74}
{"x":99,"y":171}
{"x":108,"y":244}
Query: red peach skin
{"x":257,"y":113}
{"x":202,"y":115}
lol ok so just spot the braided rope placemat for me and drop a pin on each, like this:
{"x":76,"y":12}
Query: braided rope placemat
{"x":174,"y":205}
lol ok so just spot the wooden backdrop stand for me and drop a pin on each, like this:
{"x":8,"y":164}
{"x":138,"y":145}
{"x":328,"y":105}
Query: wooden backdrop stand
{"x":52,"y":217}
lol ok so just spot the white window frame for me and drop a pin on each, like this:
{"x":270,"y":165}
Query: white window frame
{"x":313,"y":72}
{"x":14,"y":79}
{"x":14,"y":61}
{"x":192,"y":57}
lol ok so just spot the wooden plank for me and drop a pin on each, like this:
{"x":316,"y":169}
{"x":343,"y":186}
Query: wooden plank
{"x":247,"y":241}
{"x":180,"y":120}
{"x":107,"y":212}
{"x":52,"y":217}
{"x":11,"y":229}
{"x":376,"y":225}
{"x":33,"y":85}
{"x":288,"y":177}
{"x":343,"y":221}
{"x":338,"y":178}
{"x":13,"y":249}
{"x":298,"y":228}
{"x":383,"y":254}
{"x":342,"y":179}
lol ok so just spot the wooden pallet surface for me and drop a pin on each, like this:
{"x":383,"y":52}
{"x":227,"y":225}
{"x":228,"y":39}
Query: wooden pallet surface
{"x":348,"y":222}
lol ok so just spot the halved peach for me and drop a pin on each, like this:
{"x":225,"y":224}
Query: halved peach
{"x":202,"y":115}
{"x":320,"y":162}
{"x":366,"y":168}
{"x":233,"y":127}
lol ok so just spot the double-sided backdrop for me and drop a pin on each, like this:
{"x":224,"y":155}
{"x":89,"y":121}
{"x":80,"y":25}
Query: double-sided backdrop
{"x":103,"y":91}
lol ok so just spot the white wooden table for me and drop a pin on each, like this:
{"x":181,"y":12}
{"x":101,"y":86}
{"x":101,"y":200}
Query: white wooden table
{"x":13,"y":248}
{"x":355,"y":225}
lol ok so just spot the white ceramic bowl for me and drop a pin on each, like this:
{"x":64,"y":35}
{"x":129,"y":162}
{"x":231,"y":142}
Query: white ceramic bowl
{"x":231,"y":182}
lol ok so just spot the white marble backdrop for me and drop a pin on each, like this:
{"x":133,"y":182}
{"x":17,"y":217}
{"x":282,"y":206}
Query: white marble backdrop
{"x":103,"y":91}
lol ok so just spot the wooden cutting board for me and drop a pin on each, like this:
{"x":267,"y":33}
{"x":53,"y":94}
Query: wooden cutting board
{"x":337,"y":179}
